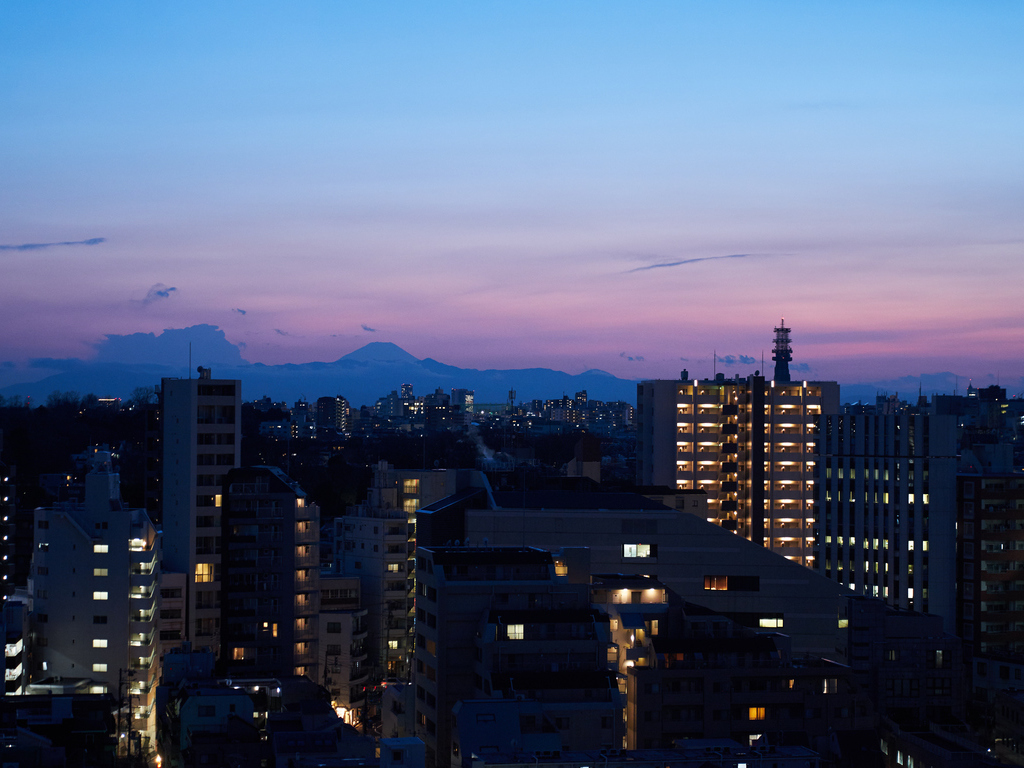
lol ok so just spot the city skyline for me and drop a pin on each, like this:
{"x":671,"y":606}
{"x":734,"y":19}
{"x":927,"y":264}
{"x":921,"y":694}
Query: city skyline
{"x":573,"y":187}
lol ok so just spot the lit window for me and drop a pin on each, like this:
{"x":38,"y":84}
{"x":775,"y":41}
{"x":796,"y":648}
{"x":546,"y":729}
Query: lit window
{"x":411,"y":486}
{"x":204,"y":572}
{"x":393,"y":645}
{"x":393,"y":567}
{"x":99,"y":571}
{"x":99,"y":667}
{"x":716,"y":582}
{"x":99,"y":595}
{"x":636,"y":550}
{"x":99,"y":642}
{"x":755,"y":713}
{"x":100,"y":548}
{"x":515,"y":631}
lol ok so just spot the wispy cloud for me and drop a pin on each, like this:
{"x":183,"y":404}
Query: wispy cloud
{"x":688,"y":261}
{"x":239,"y":311}
{"x":736,"y":359}
{"x":631,"y":358}
{"x":157,"y":292}
{"x":41,"y":246}
{"x":279,"y":332}
{"x":365,"y":327}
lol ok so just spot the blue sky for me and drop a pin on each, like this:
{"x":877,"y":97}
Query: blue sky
{"x":485,"y":183}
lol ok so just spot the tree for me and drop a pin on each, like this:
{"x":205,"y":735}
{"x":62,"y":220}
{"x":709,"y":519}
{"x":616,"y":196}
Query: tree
{"x":141,"y":397}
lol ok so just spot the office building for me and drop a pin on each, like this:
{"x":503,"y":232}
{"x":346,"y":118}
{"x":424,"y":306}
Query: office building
{"x":198,"y":423}
{"x":887,"y":510}
{"x":749,"y":443}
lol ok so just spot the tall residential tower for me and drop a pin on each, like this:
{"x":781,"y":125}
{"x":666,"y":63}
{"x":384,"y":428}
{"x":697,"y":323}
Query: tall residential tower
{"x":200,"y":441}
{"x":750,"y":444}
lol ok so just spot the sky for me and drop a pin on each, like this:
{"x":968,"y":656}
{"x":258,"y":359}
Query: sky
{"x":637,"y":188}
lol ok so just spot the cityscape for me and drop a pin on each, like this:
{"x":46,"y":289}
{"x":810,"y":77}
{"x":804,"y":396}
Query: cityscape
{"x":747,"y":568}
{"x":548,"y":385}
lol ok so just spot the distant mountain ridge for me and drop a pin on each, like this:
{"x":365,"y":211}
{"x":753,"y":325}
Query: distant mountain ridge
{"x":362,"y":376}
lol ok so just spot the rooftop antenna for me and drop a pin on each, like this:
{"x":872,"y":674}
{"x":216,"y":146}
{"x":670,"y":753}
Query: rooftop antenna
{"x":714,"y":363}
{"x":190,"y":361}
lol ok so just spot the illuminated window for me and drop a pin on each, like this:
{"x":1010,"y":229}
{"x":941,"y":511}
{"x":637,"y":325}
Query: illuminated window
{"x":204,"y":572}
{"x":515,"y":631}
{"x":733,"y":583}
{"x":755,"y":713}
{"x":99,"y":642}
{"x":394,"y":567}
{"x":638,"y":550}
{"x":99,"y":667}
{"x":99,"y":571}
{"x":771,"y":622}
{"x":411,"y":486}
{"x":238,"y":654}
{"x":100,"y":548}
{"x":716,"y":582}
{"x":393,"y":645}
{"x":99,"y":595}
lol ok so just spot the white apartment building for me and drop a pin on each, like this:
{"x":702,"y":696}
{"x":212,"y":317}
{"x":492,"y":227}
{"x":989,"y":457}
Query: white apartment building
{"x":95,"y":569}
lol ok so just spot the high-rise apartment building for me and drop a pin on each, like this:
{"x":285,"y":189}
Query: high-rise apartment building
{"x":990,"y":562}
{"x":332,"y":413}
{"x":376,"y":543}
{"x":199,"y":427}
{"x":750,"y":444}
{"x":270,"y":572}
{"x":886,"y":488}
{"x":95,"y":568}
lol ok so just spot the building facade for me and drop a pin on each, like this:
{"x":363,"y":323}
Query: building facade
{"x":376,"y":543}
{"x":886,"y":489}
{"x":270,"y":602}
{"x":199,"y":428}
{"x":990,"y":562}
{"x":750,"y":444}
{"x":95,"y":570}
{"x":501,"y":623}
